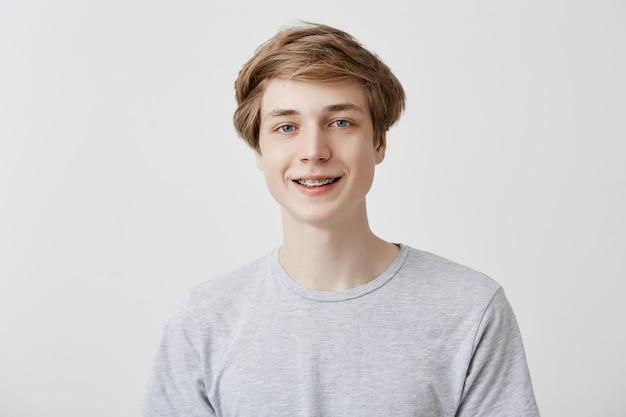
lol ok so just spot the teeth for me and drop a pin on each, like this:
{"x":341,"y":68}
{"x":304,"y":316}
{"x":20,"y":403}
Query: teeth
{"x":315,"y":183}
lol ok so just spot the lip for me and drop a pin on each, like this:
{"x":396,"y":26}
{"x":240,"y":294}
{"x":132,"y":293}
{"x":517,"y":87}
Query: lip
{"x":318,"y":190}
{"x":313,"y":177}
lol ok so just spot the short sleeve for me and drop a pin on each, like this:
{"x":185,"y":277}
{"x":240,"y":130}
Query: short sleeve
{"x":498,"y":382}
{"x":176,"y":384}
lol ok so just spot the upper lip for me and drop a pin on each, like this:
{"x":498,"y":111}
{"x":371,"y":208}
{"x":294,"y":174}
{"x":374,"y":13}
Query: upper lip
{"x":314,"y":177}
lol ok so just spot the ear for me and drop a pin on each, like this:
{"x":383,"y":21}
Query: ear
{"x":379,"y":152}
{"x":259,"y":159}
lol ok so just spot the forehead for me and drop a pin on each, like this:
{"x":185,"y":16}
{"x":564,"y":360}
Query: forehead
{"x":303,"y":97}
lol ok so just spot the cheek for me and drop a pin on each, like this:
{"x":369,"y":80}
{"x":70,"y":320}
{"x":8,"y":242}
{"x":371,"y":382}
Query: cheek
{"x":367,"y":166}
{"x":274,"y":181}
{"x":273,"y":169}
{"x":366,"y":159}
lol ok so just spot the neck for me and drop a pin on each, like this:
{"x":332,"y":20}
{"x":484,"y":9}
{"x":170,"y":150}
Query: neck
{"x":334,"y":258}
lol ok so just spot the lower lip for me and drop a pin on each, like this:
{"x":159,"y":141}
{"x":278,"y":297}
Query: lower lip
{"x":319,"y":190}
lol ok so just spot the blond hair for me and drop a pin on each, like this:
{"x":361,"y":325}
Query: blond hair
{"x":321,"y":54}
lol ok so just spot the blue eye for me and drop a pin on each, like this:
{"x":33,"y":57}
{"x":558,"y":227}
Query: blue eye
{"x":342,"y":123}
{"x":286,"y":128}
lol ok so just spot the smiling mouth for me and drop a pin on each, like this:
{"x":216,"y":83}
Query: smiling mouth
{"x":307,"y":182}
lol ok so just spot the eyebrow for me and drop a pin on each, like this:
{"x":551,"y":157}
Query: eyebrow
{"x":332,"y":108}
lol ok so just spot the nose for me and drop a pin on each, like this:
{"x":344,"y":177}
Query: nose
{"x":314,"y":146}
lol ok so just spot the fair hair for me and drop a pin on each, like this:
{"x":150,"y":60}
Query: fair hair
{"x":321,"y":54}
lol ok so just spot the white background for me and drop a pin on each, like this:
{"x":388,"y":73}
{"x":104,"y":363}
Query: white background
{"x":123,"y":185}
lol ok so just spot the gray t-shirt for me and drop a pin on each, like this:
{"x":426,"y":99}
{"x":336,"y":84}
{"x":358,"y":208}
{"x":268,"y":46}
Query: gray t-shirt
{"x":428,"y":337}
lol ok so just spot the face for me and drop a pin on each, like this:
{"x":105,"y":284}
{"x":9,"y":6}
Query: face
{"x":317,"y":149}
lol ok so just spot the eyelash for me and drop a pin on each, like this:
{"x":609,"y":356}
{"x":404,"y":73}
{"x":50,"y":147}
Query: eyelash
{"x":346,"y":123}
{"x":281,"y":128}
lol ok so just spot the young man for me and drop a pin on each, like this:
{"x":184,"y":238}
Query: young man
{"x":337,"y":321}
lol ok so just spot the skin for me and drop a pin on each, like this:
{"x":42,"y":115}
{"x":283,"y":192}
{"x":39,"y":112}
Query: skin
{"x":311,"y":131}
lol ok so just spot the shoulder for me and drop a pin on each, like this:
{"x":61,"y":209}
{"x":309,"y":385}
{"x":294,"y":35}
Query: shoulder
{"x":443,"y":270}
{"x":229,"y":291}
{"x":235,"y":279}
{"x":437,"y":277}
